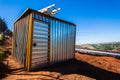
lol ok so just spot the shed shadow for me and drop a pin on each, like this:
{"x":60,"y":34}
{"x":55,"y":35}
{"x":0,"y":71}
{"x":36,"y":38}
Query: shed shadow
{"x":4,"y":70}
{"x":78,"y":67}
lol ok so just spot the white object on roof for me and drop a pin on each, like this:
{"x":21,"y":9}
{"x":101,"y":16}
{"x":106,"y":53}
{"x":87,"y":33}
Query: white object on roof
{"x":50,"y":10}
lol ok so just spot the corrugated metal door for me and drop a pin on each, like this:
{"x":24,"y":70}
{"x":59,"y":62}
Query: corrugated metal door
{"x":40,"y":44}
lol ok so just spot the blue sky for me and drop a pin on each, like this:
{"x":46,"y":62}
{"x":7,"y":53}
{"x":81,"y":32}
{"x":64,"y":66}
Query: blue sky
{"x":97,"y":21}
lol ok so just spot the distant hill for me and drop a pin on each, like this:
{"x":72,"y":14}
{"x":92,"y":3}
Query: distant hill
{"x":107,"y":46}
{"x":113,"y":46}
{"x":85,"y":46}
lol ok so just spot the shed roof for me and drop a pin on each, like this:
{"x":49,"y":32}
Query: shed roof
{"x":28,"y":10}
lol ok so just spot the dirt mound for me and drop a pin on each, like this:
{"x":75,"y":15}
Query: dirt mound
{"x":107,"y":63}
{"x":84,"y":47}
{"x":115,"y":51}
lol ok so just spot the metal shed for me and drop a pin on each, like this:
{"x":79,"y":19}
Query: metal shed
{"x":40,"y":40}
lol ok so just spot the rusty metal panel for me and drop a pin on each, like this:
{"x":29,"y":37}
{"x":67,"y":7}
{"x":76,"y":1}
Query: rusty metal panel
{"x":20,"y":39}
{"x":62,"y":38}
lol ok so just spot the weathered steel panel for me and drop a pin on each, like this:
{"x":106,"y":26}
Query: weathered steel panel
{"x":53,"y":40}
{"x":20,"y":39}
{"x":62,"y":38}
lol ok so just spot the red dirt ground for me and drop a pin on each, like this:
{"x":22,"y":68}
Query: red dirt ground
{"x":84,"y":67}
{"x":16,"y":71}
{"x":8,"y":43}
{"x":107,"y":63}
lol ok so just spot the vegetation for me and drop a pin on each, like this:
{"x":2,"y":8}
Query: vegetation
{"x":114,"y":46}
{"x":107,"y":46}
{"x":3,"y":31}
{"x":3,"y":25}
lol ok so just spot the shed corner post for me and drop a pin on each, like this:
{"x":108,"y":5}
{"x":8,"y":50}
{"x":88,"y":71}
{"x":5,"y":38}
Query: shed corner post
{"x":29,"y":42}
{"x":13,"y":40}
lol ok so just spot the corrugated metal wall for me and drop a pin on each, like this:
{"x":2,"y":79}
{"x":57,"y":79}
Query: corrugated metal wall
{"x":40,"y":44}
{"x":55,"y":43}
{"x":62,"y":38}
{"x":20,"y":39}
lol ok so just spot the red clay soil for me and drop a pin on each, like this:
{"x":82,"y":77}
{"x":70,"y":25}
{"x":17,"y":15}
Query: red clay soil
{"x":115,"y":51}
{"x":84,"y":67}
{"x":55,"y":72}
{"x":8,"y":43}
{"x":103,"y":62}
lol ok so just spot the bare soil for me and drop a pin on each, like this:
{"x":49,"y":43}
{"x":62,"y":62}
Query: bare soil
{"x":108,"y":63}
{"x":55,"y":72}
{"x":8,"y":44}
{"x":84,"y":67}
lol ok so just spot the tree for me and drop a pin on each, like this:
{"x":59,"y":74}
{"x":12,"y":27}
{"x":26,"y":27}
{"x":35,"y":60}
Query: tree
{"x":3,"y":28}
{"x":3,"y":25}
